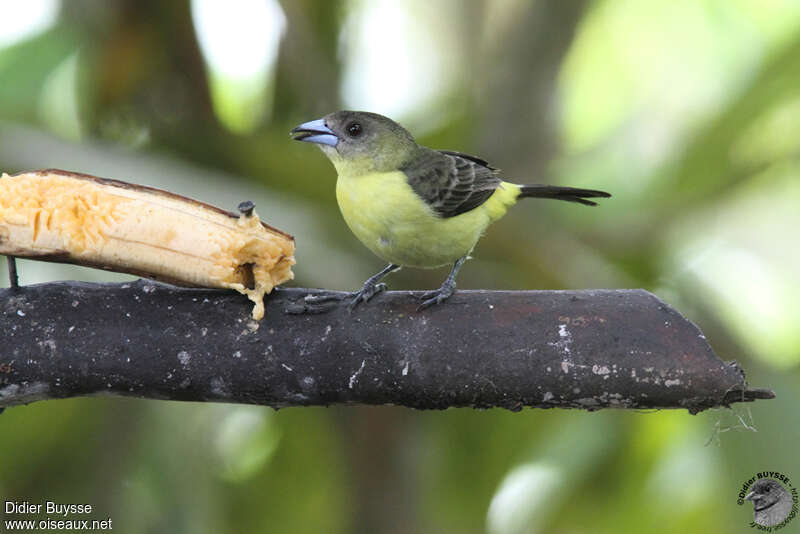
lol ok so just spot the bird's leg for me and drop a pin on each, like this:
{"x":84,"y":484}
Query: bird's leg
{"x":370,"y":288}
{"x":13,"y":278}
{"x":447,"y":289}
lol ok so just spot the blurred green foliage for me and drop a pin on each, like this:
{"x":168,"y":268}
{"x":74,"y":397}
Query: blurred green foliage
{"x":687,"y":112}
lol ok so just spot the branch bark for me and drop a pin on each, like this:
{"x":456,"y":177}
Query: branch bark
{"x":569,"y":349}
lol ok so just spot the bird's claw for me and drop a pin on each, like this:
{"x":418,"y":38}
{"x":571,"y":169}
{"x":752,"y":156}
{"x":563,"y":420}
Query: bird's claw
{"x":325,"y":302}
{"x":428,"y":295}
{"x":431,"y":298}
{"x":366,"y":293}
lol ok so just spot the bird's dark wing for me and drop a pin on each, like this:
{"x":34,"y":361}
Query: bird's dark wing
{"x":451,"y":183}
{"x":470,"y":157}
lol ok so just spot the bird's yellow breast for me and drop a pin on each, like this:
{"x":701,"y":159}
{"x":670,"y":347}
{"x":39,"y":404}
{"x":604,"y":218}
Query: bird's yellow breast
{"x":385,"y":214}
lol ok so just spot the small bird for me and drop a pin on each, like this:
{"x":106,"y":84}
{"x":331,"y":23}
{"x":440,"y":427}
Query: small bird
{"x":771,"y":502}
{"x":411,"y":205}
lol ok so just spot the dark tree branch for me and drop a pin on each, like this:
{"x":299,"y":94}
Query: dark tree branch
{"x":569,"y":349}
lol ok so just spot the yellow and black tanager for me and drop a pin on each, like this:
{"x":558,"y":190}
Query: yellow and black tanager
{"x":411,"y":205}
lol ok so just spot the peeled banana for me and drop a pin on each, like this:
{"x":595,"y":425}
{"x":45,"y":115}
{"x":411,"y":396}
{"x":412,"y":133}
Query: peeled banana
{"x":60,"y":216}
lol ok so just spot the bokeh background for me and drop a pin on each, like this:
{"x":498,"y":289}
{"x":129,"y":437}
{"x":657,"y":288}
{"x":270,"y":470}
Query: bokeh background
{"x":687,"y":111}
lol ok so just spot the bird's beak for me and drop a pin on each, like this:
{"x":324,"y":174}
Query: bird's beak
{"x":749,"y":496}
{"x":315,"y":132}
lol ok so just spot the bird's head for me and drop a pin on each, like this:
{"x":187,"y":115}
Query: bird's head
{"x":765,"y":493}
{"x":359,"y":142}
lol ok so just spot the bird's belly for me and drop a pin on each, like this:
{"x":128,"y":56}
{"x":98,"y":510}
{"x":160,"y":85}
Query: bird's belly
{"x":394,"y":223}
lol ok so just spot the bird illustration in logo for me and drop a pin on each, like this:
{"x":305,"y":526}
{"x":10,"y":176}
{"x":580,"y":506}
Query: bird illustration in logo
{"x":771,"y":502}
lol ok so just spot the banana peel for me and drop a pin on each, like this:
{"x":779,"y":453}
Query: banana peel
{"x":66,"y":217}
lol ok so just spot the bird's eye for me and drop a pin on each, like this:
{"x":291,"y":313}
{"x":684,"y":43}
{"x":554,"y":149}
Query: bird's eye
{"x":767,"y":489}
{"x":354,"y":129}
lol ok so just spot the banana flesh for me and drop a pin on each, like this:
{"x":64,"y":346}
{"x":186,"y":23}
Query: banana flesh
{"x":55,"y":215}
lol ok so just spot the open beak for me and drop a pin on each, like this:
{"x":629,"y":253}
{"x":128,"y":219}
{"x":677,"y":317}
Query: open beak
{"x":315,"y":132}
{"x":749,"y":496}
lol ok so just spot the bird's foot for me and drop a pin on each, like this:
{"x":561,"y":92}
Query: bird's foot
{"x":430,"y":298}
{"x":366,"y":293}
{"x":325,"y":302}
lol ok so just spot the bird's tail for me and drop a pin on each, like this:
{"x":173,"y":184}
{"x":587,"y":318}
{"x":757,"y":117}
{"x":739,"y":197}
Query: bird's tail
{"x":569,"y":194}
